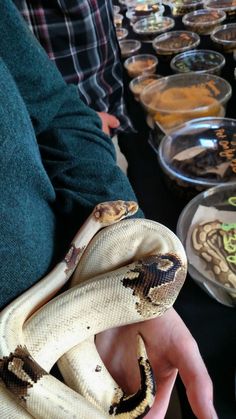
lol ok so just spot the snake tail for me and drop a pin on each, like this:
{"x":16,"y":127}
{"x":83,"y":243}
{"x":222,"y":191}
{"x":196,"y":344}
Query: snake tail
{"x":138,"y":404}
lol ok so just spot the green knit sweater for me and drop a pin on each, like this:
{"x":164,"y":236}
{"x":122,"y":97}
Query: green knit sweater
{"x":75,"y":168}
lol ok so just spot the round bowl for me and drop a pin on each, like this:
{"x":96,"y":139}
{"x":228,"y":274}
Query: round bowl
{"x":141,"y":64}
{"x":199,"y":155}
{"x":148,"y":28}
{"x":139,"y":83}
{"x":203,"y":21}
{"x":178,"y":98}
{"x":199,"y":61}
{"x":174,"y":42}
{"x":118,"y":19}
{"x":116,"y":9}
{"x":181,"y":7}
{"x":228,"y":6}
{"x":207,"y":229}
{"x":224,"y":37}
{"x":129,"y":47}
{"x":155,"y":9}
{"x":121,"y":33}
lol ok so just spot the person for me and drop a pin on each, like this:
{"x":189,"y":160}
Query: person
{"x":56,"y":164}
{"x":80,"y":38}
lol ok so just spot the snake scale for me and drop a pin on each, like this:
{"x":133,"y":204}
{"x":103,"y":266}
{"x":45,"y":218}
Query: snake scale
{"x":129,"y":271}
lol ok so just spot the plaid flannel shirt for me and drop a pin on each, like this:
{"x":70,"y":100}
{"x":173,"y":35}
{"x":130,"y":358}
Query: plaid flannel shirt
{"x":79,"y":36}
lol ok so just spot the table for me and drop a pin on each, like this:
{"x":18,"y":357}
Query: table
{"x":212,"y":324}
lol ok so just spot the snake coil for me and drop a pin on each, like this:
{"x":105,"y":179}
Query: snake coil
{"x":130,"y":271}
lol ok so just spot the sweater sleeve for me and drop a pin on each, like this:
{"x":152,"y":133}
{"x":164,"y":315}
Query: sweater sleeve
{"x":78,"y":157}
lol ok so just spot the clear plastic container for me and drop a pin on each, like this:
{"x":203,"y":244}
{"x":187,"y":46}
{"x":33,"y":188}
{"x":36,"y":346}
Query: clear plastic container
{"x":194,"y":157}
{"x":174,"y":42}
{"x":224,"y":38}
{"x":207,"y":229}
{"x":181,"y":7}
{"x":148,"y":28}
{"x":118,"y":20}
{"x":200,"y":61}
{"x":176,"y":99}
{"x":121,"y":33}
{"x":141,"y":64}
{"x":203,"y":21}
{"x":156,"y":9}
{"x":139,"y":83}
{"x":143,"y":7}
{"x":129,"y":47}
{"x":228,"y":6}
{"x":116,"y":9}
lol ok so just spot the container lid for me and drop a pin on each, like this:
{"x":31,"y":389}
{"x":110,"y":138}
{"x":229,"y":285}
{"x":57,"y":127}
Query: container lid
{"x":226,"y":5}
{"x":134,"y":15}
{"x":153,"y":25}
{"x":204,"y":17}
{"x":225,"y":34}
{"x":201,"y":151}
{"x":143,"y":7}
{"x":129,"y":46}
{"x":186,"y":2}
{"x":197,"y":60}
{"x":175,"y":41}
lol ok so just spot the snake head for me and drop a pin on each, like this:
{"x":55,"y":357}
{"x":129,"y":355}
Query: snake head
{"x":113,"y":211}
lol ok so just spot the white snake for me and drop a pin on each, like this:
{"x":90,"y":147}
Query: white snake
{"x":128,"y":272}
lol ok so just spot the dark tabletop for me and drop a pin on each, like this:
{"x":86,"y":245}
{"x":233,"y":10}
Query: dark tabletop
{"x":212,"y":324}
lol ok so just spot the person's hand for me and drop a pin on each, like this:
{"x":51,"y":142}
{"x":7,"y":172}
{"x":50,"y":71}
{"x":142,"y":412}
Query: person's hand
{"x":171,"y":349}
{"x":108,"y":122}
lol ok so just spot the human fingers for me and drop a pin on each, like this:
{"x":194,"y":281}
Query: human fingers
{"x":186,"y":357}
{"x":171,"y":345}
{"x":197,"y":382}
{"x":108,"y":122}
{"x":162,"y":399}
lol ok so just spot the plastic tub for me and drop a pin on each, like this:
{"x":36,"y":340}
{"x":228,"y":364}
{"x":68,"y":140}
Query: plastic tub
{"x":118,"y":20}
{"x":181,"y":7}
{"x":198,"y":155}
{"x":121,"y":33}
{"x":139,"y":83}
{"x":207,"y":229}
{"x":200,"y":61}
{"x":141,"y":64}
{"x":148,"y":28}
{"x":116,"y":9}
{"x":129,"y":47}
{"x":154,"y":9}
{"x":228,"y":6}
{"x":203,"y":21}
{"x":174,"y":42}
{"x":224,"y":37}
{"x":179,"y":98}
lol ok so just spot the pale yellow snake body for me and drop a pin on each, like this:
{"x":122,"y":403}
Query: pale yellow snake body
{"x":109,"y":288}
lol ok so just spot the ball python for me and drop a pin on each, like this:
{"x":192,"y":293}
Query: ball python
{"x":217,"y":247}
{"x":38,"y":328}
